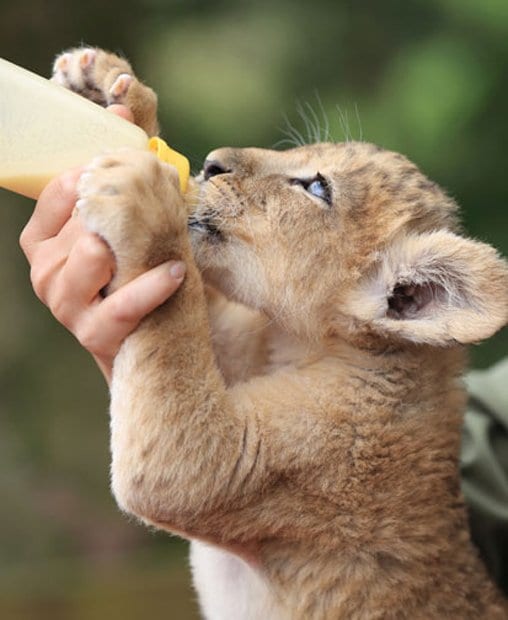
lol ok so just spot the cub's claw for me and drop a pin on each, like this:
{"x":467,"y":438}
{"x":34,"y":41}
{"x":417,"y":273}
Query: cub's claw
{"x":87,"y":58}
{"x":120,"y":86}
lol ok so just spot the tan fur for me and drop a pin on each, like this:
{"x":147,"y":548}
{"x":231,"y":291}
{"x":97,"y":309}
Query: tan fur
{"x":305,"y":425}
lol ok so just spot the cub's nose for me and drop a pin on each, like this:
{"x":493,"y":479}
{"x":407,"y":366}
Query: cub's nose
{"x":213,"y":167}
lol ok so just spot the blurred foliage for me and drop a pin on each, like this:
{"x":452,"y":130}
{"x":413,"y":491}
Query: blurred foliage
{"x":424,"y":77}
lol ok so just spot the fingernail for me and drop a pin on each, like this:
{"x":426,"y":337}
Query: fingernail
{"x":177,"y":270}
{"x":69,"y":179}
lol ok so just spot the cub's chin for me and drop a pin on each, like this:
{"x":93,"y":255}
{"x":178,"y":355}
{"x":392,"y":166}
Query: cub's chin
{"x":205,"y":246}
{"x":225,"y":265}
{"x":206,"y":251}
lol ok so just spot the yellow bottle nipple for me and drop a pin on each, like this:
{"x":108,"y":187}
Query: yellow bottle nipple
{"x":169,"y":156}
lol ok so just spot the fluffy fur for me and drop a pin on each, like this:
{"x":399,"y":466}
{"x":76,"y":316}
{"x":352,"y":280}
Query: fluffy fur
{"x":298,"y":417}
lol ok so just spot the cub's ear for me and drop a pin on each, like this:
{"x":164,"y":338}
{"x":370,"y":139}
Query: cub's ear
{"x":435,"y":288}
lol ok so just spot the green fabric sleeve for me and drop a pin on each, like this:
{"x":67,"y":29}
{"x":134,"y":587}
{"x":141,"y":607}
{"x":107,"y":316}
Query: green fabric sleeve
{"x":484,"y":465}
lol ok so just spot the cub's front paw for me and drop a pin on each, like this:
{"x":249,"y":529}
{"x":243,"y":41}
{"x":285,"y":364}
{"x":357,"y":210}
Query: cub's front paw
{"x":106,"y":79}
{"x":131,"y":200}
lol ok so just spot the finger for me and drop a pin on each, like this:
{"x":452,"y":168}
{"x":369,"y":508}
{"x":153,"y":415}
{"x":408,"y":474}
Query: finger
{"x":110,"y":321}
{"x":49,"y":257}
{"x":122,"y":110}
{"x":88,"y":269}
{"x":52,"y":210}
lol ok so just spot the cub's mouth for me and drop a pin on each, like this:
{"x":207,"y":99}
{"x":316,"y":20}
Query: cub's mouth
{"x":205,"y":225}
{"x":203,"y":216}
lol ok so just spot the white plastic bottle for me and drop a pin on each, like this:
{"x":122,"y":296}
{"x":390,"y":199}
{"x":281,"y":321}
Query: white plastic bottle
{"x":46,"y":129}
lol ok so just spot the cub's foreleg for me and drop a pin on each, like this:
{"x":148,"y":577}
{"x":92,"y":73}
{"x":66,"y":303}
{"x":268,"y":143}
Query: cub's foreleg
{"x":180,"y":449}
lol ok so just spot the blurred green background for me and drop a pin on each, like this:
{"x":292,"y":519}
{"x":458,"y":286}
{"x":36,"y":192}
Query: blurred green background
{"x":427,"y":78}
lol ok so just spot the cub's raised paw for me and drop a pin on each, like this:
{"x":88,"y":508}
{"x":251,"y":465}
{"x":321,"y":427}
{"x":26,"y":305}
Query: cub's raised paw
{"x":106,"y":79}
{"x":131,"y":200}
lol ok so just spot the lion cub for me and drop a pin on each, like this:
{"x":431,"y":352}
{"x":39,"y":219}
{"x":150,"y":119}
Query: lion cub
{"x":298,"y":417}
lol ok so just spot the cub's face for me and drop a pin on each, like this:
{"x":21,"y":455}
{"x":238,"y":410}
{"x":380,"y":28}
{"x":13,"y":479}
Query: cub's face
{"x":302,"y":234}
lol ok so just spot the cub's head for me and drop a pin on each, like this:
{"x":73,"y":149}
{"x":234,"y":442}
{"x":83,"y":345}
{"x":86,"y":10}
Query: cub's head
{"x":341,"y":240}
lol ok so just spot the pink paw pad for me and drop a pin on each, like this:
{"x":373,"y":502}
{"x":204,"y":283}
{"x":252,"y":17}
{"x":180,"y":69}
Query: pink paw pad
{"x":120,"y":85}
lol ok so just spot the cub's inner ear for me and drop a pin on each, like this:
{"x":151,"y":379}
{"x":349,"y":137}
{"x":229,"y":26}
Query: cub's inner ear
{"x":408,"y":301}
{"x":435,"y":288}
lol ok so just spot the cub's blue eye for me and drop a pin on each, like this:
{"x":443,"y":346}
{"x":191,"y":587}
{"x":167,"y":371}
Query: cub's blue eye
{"x":318,"y":186}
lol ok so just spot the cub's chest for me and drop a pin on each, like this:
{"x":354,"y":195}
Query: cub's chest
{"x":229,"y":588}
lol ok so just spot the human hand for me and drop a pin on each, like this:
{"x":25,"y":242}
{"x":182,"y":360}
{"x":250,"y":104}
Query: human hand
{"x":70,"y":266}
